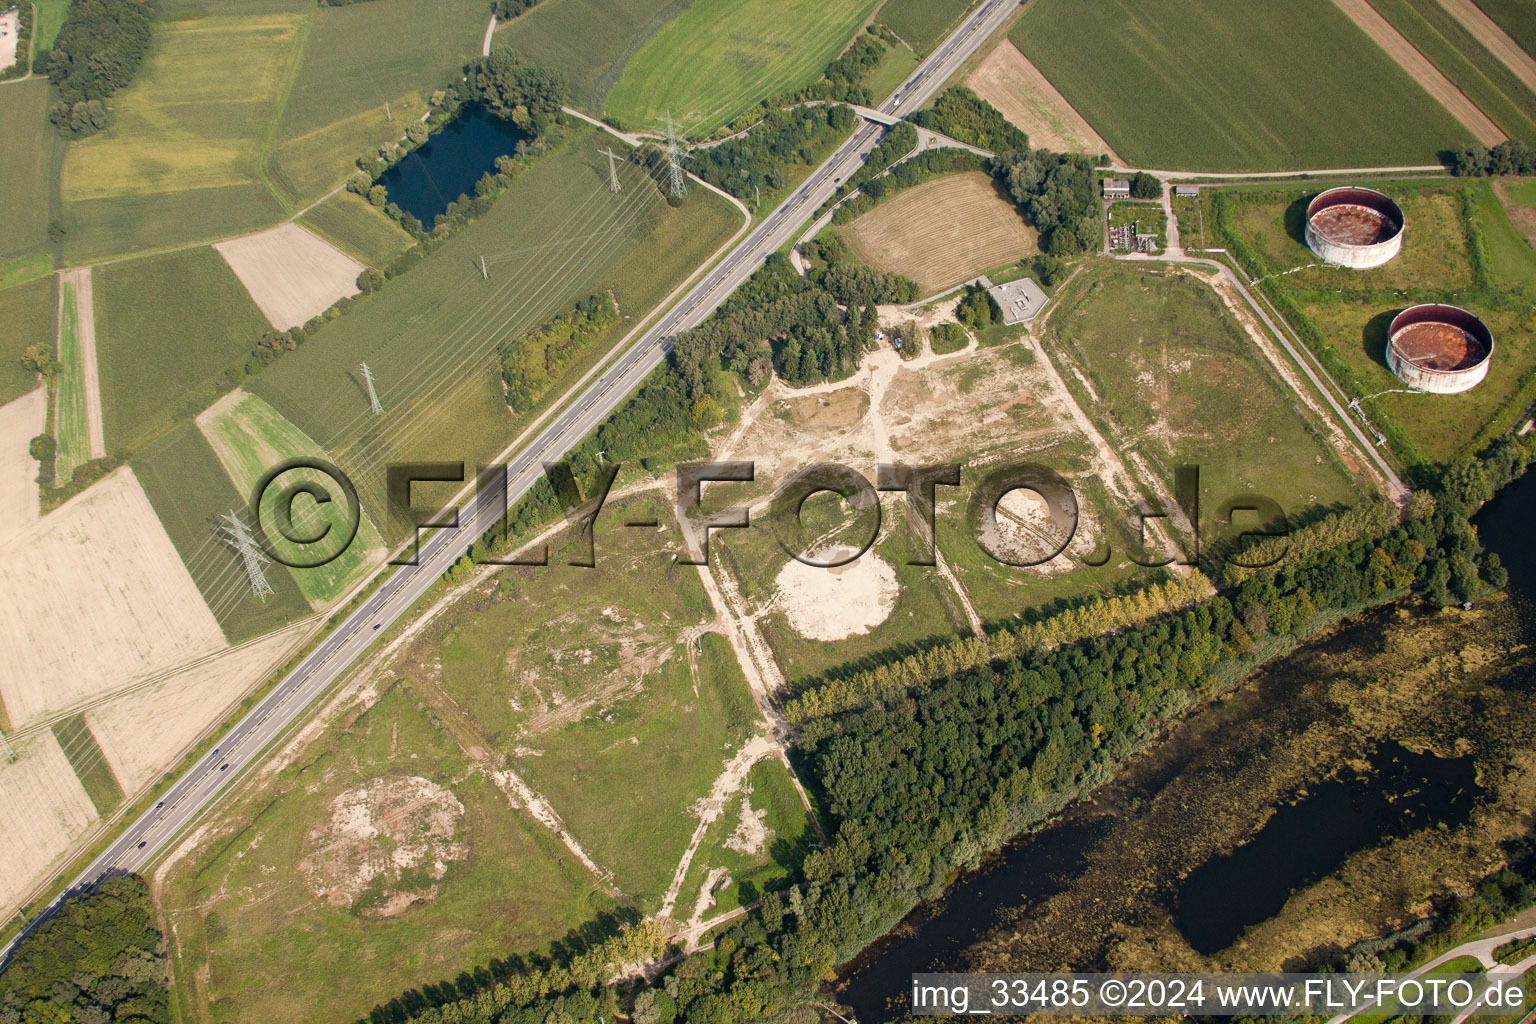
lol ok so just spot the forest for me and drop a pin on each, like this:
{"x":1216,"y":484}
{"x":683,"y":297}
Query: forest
{"x":758,"y":159}
{"x":98,"y":50}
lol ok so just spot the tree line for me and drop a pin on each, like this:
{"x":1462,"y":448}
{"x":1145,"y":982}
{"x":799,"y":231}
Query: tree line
{"x":1508,"y":157}
{"x":529,"y":364}
{"x":97,"y":52}
{"x":915,"y":170}
{"x":758,"y":161}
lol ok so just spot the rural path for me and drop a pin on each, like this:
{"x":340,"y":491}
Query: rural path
{"x":79,"y":280}
{"x":1482,"y":949}
{"x":1494,"y":38}
{"x":490,"y":30}
{"x":1380,"y":30}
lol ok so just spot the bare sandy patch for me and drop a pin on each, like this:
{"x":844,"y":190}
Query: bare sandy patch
{"x":291,"y":274}
{"x":143,"y":731}
{"x":10,"y":28}
{"x":43,"y":809}
{"x":1010,"y":82}
{"x":832,"y":604}
{"x":1487,"y":32}
{"x":93,"y":596}
{"x":942,"y":232}
{"x":751,"y":835}
{"x":1426,"y":74}
{"x":395,"y":837}
{"x":20,"y":421}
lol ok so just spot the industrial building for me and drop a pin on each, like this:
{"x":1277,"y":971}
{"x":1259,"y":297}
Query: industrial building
{"x":1354,"y":227}
{"x":1438,"y":348}
{"x":1019,"y":300}
{"x":1117,"y":188}
{"x":1186,"y":191}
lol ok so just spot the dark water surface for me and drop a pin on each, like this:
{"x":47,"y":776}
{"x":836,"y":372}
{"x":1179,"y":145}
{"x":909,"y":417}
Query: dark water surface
{"x":427,"y":179}
{"x":1303,"y":841}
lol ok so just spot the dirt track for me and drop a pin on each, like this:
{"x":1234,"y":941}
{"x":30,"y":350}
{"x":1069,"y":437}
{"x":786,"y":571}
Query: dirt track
{"x":1487,"y":32}
{"x":1010,"y":82}
{"x":1423,"y":72}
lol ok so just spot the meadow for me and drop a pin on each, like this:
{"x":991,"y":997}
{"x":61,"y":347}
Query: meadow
{"x":355,"y":59}
{"x":348,"y":222}
{"x":251,"y":440}
{"x":247,"y":922}
{"x":50,"y":16}
{"x":187,"y":485}
{"x":714,"y":61}
{"x":70,"y":425}
{"x":1460,"y":57}
{"x":100,"y":228}
{"x":26,"y":167}
{"x":1172,"y":380}
{"x":559,"y":36}
{"x":1350,"y":309}
{"x":921,"y":23}
{"x":90,"y":764}
{"x":27,"y":310}
{"x":167,"y":327}
{"x":430,"y":336}
{"x":1516,"y":17}
{"x":1319,"y":93}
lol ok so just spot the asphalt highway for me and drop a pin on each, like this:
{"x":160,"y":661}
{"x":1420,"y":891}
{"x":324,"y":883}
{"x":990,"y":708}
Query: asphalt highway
{"x":146,"y":837}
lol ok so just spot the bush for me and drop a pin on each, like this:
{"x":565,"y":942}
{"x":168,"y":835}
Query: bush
{"x":966,"y":117}
{"x":1146,"y":186}
{"x":947,"y":337}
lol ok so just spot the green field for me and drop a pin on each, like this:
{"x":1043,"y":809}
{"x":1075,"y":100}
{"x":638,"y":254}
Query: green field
{"x":1515,"y":17}
{"x":1352,"y":308}
{"x":89,"y":763}
{"x":351,"y":224}
{"x":922,"y":22}
{"x":101,"y":228}
{"x":1317,"y":93}
{"x":50,"y":16}
{"x":27,"y":311}
{"x":251,"y":440}
{"x":355,"y":59}
{"x":717,"y":59}
{"x":430,"y":336}
{"x":187,"y":486}
{"x":1178,"y":383}
{"x":244,"y":912}
{"x":167,"y":327}
{"x":558,"y":35}
{"x":1484,"y":79}
{"x":895,"y":66}
{"x":70,"y":427}
{"x":26,"y":167}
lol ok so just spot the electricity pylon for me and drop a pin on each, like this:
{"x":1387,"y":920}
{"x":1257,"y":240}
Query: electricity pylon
{"x":6,"y":753}
{"x":613,"y":171}
{"x":250,"y":555}
{"x":677,"y":184}
{"x":373,"y":396}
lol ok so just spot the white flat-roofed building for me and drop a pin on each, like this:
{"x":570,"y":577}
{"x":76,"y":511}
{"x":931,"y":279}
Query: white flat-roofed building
{"x":1019,"y":300}
{"x":1117,"y":188}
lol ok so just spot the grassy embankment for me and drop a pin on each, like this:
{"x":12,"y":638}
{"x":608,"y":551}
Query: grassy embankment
{"x":1321,"y":94}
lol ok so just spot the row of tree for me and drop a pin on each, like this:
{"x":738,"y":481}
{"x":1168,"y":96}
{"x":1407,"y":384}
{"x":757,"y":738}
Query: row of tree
{"x":759,"y":160}
{"x":913,"y":171}
{"x":1508,"y":157}
{"x":97,"y":52}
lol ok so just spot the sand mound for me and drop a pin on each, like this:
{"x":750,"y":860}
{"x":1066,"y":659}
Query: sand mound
{"x":831,"y":604}
{"x":386,"y":845}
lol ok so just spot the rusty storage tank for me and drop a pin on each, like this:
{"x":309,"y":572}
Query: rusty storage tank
{"x":1439,"y":348}
{"x":1354,"y":227}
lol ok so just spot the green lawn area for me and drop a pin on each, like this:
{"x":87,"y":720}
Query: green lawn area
{"x":1484,"y":79}
{"x":559,"y":34}
{"x":167,"y":327}
{"x":717,"y":59}
{"x":1352,"y":308}
{"x":1176,"y":382}
{"x":27,"y":311}
{"x":90,"y":764}
{"x":1233,"y":87}
{"x":353,"y":225}
{"x":70,"y":428}
{"x":251,"y":439}
{"x":922,"y":22}
{"x":893,"y":69}
{"x":1516,"y":17}
{"x":245,"y":909}
{"x":355,"y":59}
{"x":431,"y":335}
{"x":26,"y":167}
{"x":187,"y":486}
{"x":50,"y":16}
{"x":119,"y":225}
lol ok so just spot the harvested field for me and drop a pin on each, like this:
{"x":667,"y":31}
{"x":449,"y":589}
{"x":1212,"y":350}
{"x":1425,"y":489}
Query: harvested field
{"x":43,"y":808}
{"x":291,"y":274}
{"x":1515,"y":17}
{"x":1011,"y":83}
{"x":20,"y":421}
{"x":1486,"y":31}
{"x":943,"y":231}
{"x":141,"y":731}
{"x":1426,"y":74}
{"x":72,"y":631}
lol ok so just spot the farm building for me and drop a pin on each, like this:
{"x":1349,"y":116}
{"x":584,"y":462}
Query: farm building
{"x":1186,"y":191}
{"x":1439,"y":348}
{"x":1019,"y":300}
{"x":1117,"y":188}
{"x":1354,"y":227}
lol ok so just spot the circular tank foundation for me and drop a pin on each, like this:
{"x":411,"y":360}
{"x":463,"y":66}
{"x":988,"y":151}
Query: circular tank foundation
{"x":1439,"y":348}
{"x":1354,"y":227}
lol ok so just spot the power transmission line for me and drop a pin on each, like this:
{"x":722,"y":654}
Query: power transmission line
{"x":6,"y":751}
{"x":250,"y":555}
{"x":677,"y":183}
{"x":613,"y":171}
{"x":373,"y":396}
